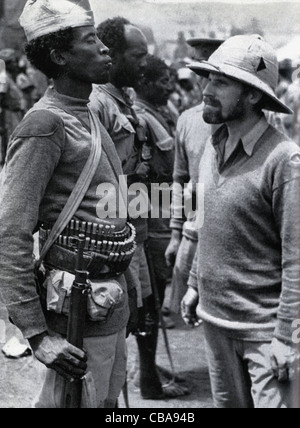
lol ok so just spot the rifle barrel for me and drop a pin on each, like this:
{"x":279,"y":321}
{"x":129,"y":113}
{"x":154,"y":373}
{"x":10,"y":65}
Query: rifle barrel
{"x":76,"y":323}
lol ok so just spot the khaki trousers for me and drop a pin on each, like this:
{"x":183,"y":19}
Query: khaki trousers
{"x":241,"y":374}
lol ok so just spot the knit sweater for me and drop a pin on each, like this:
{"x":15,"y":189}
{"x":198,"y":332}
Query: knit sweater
{"x":248,"y":265}
{"x":45,"y":158}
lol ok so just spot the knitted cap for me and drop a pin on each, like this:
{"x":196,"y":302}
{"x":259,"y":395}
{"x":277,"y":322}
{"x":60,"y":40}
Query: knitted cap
{"x":42,"y":17}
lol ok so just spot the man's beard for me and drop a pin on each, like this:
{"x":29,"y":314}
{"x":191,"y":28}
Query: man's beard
{"x":214,"y":115}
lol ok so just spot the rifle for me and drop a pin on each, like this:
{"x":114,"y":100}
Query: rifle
{"x":159,"y":311}
{"x":76,"y":323}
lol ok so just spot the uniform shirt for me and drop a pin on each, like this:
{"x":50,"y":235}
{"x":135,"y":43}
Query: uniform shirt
{"x":113,"y":113}
{"x":113,"y":110}
{"x":248,"y":270}
{"x":46,"y":155}
{"x":161,"y":164}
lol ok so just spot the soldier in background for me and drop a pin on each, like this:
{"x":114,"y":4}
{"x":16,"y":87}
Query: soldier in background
{"x":113,"y":103}
{"x":289,"y":93}
{"x":12,"y":99}
{"x":153,"y":91}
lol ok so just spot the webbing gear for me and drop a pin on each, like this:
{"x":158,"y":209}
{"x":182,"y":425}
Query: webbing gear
{"x":106,"y":255}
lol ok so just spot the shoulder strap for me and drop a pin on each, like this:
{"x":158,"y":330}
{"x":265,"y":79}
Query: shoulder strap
{"x":79,"y":190}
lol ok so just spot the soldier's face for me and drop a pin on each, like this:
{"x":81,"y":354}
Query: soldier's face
{"x":129,"y":66}
{"x":224,"y":100}
{"x":158,"y":92}
{"x":88,"y":60}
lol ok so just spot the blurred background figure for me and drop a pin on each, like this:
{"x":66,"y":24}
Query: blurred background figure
{"x":11,"y":98}
{"x":25,"y":83}
{"x":190,"y":90}
{"x":289,"y":93}
{"x":182,"y":49}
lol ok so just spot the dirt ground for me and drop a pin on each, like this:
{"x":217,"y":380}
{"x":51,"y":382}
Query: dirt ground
{"x":20,"y":380}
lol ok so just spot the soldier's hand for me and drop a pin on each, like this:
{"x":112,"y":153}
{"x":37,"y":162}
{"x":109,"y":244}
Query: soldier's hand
{"x":59,"y":355}
{"x":188,"y":308}
{"x":284,"y":361}
{"x":173,"y":247}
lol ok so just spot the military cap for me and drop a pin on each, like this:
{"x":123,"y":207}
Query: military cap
{"x":204,"y":48}
{"x":43,"y":17}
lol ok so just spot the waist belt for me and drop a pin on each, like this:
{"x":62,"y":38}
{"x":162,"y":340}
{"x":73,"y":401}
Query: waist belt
{"x":107,"y":252}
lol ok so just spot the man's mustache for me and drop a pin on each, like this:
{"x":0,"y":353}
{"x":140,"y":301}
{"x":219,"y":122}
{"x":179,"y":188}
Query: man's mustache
{"x":211,"y":102}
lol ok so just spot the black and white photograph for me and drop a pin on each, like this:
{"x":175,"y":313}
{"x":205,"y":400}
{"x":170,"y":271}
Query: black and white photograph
{"x":149,"y":206}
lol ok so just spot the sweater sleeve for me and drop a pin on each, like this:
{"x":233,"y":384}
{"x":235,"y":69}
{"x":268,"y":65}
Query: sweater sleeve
{"x":193,"y":278}
{"x":286,"y":206}
{"x":33,"y":154}
{"x":180,"y":176}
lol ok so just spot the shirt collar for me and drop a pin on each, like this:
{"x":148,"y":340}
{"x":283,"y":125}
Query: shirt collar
{"x":248,"y":141}
{"x":114,"y":92}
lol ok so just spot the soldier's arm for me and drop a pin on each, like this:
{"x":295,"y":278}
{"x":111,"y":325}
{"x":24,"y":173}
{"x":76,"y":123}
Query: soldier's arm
{"x":33,"y":154}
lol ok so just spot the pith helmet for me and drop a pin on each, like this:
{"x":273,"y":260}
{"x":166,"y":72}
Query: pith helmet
{"x":42,"y":17}
{"x":250,"y":60}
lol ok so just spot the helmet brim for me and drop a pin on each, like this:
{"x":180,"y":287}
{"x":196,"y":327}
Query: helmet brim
{"x":273,"y":103}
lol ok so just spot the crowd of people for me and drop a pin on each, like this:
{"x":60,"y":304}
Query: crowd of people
{"x":154,"y":120}
{"x":21,"y":86}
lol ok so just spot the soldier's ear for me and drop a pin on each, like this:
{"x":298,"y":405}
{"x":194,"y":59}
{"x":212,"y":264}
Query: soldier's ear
{"x":58,"y":57}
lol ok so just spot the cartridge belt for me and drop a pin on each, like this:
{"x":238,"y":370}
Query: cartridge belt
{"x":108,"y":252}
